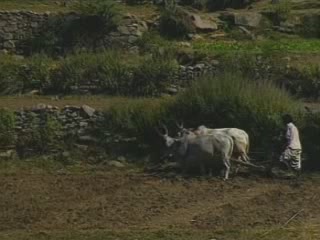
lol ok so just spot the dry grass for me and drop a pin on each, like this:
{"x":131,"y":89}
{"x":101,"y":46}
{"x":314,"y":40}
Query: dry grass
{"x":97,"y":102}
{"x":143,"y":11}
{"x":32,"y":5}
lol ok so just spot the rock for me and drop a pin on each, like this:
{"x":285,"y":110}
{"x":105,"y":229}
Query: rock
{"x":9,"y":45}
{"x":88,"y":139}
{"x":122,"y":159}
{"x":203,"y":25}
{"x":123,"y":30}
{"x":7,"y":154}
{"x":172,"y":90}
{"x":218,"y":35}
{"x":248,"y":19}
{"x":116,"y":164}
{"x":89,"y":111}
{"x":66,"y":154}
{"x":246,"y":31}
{"x":185,"y":44}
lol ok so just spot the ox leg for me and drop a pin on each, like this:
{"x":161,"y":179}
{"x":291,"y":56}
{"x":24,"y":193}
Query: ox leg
{"x":227,"y":165}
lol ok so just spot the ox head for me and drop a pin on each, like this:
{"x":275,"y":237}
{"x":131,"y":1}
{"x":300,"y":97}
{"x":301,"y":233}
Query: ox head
{"x":169,"y":141}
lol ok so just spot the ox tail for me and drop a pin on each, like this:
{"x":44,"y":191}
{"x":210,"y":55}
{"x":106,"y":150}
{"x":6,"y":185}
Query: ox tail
{"x":247,"y":151}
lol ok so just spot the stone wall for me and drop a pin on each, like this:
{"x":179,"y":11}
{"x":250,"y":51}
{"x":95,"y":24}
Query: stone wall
{"x":18,"y":26}
{"x":78,"y":127}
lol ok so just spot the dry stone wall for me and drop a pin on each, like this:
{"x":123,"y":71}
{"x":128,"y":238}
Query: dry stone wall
{"x":79,"y":126}
{"x":18,"y":26}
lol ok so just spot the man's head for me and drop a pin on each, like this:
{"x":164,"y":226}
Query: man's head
{"x":287,"y":118}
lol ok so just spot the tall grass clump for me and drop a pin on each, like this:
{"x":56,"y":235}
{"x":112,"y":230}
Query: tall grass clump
{"x":106,"y":68}
{"x":174,"y":22}
{"x":230,"y":100}
{"x":7,"y":125}
{"x":152,"y":76}
{"x":22,"y":75}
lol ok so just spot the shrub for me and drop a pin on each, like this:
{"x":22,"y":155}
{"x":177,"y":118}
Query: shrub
{"x":304,"y":82}
{"x":174,"y":22}
{"x":281,"y":11}
{"x":152,"y":42}
{"x":311,"y":26}
{"x":75,"y":70}
{"x":223,"y":4}
{"x":310,"y":140}
{"x":9,"y":77}
{"x":228,"y":100}
{"x":22,"y":75}
{"x":7,"y":125}
{"x":153,"y":76}
{"x":106,"y":11}
{"x":43,"y":138}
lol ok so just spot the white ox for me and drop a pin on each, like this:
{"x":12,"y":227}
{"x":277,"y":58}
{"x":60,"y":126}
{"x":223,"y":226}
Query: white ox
{"x":201,"y":150}
{"x":240,"y":137}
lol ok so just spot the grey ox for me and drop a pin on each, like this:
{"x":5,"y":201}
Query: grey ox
{"x":201,"y":150}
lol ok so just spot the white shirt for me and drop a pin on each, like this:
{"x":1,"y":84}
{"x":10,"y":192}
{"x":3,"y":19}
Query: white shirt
{"x":292,"y":136}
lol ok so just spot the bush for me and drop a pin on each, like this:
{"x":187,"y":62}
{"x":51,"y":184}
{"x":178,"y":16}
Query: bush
{"x":7,"y":125}
{"x":152,"y":42}
{"x":223,"y":4}
{"x":22,"y":75}
{"x":310,"y":140}
{"x":174,"y":23}
{"x":153,"y":76}
{"x":311,"y":26}
{"x":223,"y":101}
{"x":43,"y":138}
{"x":281,"y":11}
{"x":75,"y":70}
{"x":305,"y":82}
{"x":106,"y":11}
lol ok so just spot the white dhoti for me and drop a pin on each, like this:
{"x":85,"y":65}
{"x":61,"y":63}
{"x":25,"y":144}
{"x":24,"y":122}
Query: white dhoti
{"x":292,"y":158}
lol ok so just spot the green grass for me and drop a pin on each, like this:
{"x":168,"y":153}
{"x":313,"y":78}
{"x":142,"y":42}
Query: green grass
{"x":268,"y":46}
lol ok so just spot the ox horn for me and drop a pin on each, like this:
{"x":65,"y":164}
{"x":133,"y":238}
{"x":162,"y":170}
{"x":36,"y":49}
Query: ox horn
{"x":164,"y":128}
{"x":180,"y":126}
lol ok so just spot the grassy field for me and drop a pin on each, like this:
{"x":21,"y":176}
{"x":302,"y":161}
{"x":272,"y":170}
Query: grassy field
{"x":97,"y":102}
{"x":57,"y":6}
{"x":269,"y":46}
{"x":97,"y":202}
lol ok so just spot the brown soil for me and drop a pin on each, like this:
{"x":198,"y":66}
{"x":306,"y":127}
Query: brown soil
{"x":125,"y":200}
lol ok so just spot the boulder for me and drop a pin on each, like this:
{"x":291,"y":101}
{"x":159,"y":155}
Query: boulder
{"x":116,"y":164}
{"x":89,"y":111}
{"x":248,"y":19}
{"x":203,"y":25}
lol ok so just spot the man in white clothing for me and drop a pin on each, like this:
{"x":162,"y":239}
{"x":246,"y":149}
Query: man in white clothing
{"x":291,"y":156}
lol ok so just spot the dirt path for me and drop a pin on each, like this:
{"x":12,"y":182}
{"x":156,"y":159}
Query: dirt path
{"x":122,"y":200}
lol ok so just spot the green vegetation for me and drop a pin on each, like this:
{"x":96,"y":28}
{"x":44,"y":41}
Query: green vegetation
{"x":268,"y":46}
{"x":7,"y":125}
{"x":222,"y":101}
{"x":114,"y":73}
{"x":281,"y":11}
{"x":41,"y":139}
{"x":174,"y":23}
